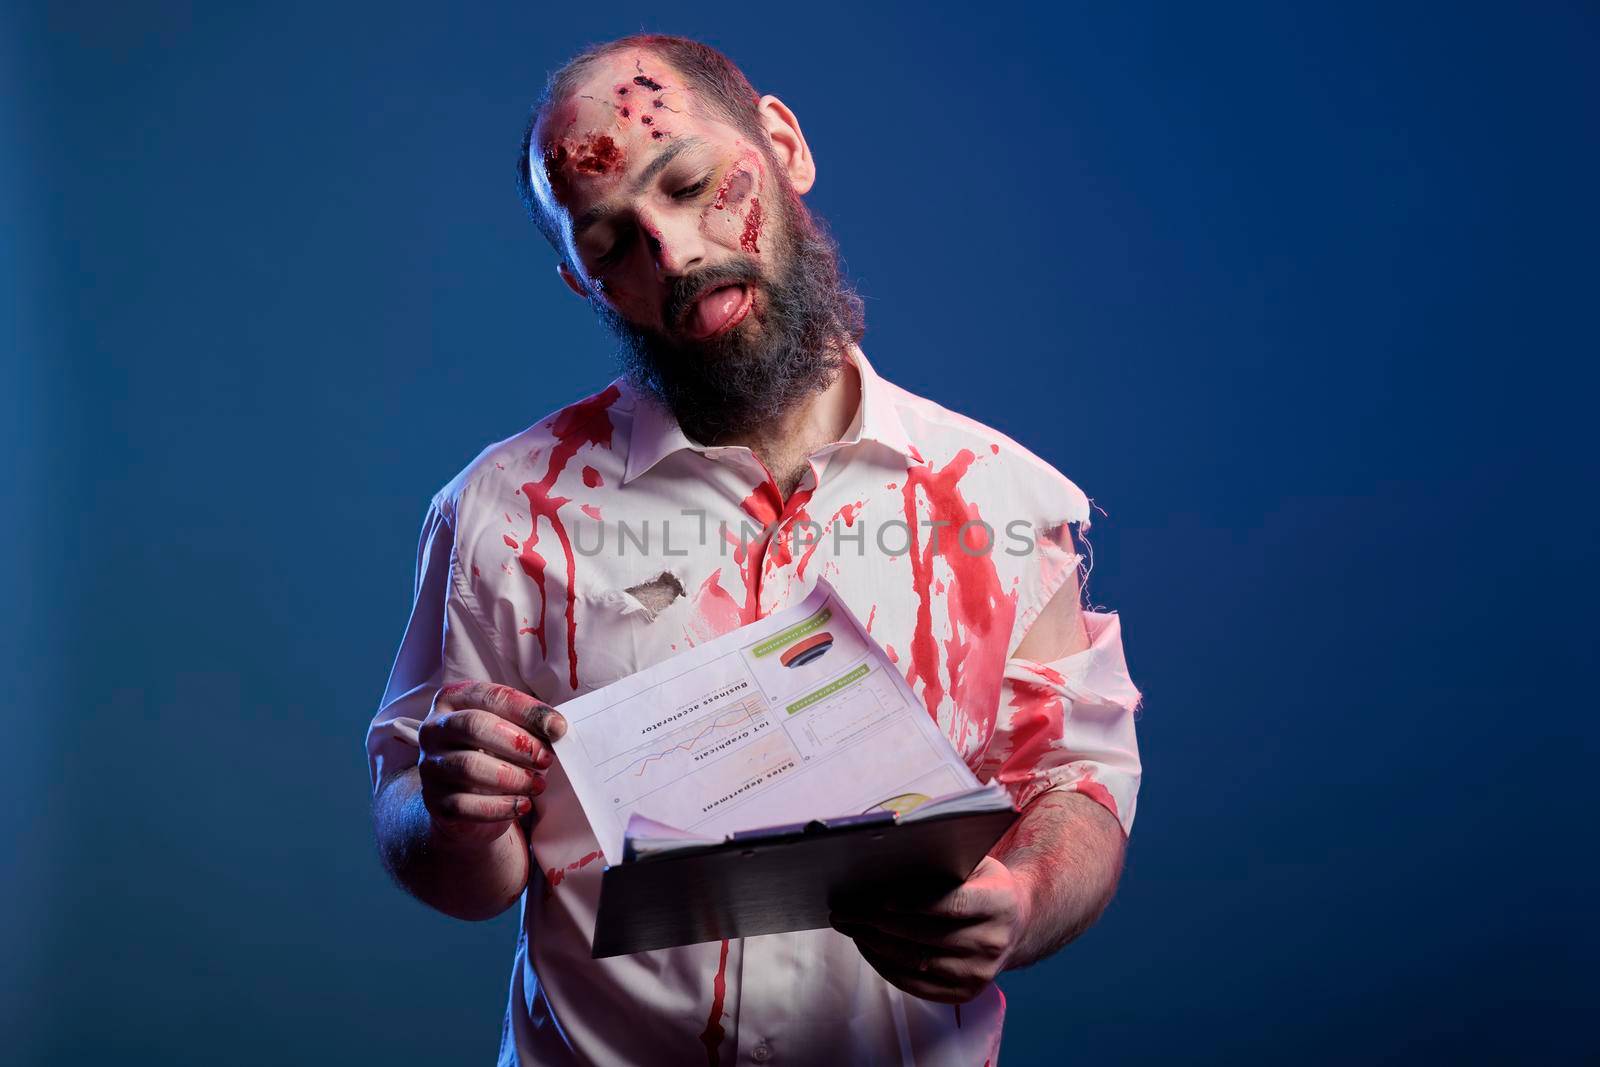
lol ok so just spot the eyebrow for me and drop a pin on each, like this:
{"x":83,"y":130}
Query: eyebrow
{"x":656,"y":166}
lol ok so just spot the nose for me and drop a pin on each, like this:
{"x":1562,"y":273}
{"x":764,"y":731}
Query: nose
{"x":676,"y":245}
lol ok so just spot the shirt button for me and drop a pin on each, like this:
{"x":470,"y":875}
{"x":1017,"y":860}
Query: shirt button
{"x":761,"y":1054}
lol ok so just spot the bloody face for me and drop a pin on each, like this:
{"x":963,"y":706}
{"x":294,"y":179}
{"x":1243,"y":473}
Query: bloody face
{"x":693,"y":246}
{"x":653,"y":188}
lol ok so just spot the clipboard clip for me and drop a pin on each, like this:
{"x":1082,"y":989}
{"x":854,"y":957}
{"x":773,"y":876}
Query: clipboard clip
{"x":772,"y":834}
{"x":817,"y":826}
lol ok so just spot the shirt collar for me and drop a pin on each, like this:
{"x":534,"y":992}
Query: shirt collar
{"x":657,"y":435}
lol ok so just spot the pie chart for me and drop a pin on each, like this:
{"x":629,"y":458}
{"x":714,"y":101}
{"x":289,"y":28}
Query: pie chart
{"x":901,"y":804}
{"x":806,"y":650}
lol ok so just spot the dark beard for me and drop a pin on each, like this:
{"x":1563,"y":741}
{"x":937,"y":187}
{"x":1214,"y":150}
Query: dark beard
{"x":746,"y":378}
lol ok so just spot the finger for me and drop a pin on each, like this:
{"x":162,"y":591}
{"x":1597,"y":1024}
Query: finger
{"x":912,"y":926}
{"x":970,"y":902}
{"x":533,"y":715}
{"x":898,"y":953}
{"x":479,"y":729}
{"x":471,"y":771}
{"x":915,"y":932}
{"x":907,"y":894}
{"x":931,"y":984}
{"x":967,"y":956}
{"x":471,"y":807}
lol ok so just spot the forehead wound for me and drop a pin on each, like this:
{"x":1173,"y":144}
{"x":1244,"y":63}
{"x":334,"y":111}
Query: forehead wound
{"x":587,"y":134}
{"x":569,"y":146}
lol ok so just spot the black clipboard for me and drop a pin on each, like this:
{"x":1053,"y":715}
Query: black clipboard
{"x":783,"y":878}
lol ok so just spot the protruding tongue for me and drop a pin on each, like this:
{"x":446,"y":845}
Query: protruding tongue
{"x":715,"y":309}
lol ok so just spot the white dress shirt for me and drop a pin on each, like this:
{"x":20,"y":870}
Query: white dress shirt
{"x":524,"y":572}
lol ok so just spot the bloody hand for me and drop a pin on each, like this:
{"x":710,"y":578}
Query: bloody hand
{"x":484,"y":754}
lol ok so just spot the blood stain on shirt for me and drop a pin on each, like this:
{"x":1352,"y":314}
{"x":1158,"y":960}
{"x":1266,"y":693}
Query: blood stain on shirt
{"x":553,"y":877}
{"x":980,"y":613}
{"x":711,"y":1037}
{"x":1036,"y":723}
{"x":716,"y":609}
{"x":765,"y":505}
{"x":1095,"y":791}
{"x":584,"y":424}
{"x":848,"y":513}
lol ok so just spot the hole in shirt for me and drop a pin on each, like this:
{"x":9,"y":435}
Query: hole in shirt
{"x":658,"y":592}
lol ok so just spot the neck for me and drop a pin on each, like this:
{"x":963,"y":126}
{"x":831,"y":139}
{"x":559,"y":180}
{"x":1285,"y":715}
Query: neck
{"x":785,"y":445}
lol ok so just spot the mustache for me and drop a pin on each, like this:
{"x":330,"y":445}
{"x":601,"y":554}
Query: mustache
{"x":742,"y":379}
{"x":685,"y":290}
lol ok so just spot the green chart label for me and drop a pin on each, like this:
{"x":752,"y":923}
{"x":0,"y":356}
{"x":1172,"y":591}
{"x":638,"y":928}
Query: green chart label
{"x":784,"y":638}
{"x":841,"y":682}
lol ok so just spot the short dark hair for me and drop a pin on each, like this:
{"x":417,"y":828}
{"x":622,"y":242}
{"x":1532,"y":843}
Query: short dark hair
{"x":718,"y":84}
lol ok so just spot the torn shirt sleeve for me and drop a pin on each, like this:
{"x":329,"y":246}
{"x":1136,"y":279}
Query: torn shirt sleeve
{"x":1069,"y":724}
{"x":444,"y":641}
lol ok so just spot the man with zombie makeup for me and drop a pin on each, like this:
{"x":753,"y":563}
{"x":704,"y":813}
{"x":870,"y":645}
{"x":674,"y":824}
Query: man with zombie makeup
{"x":747,"y":448}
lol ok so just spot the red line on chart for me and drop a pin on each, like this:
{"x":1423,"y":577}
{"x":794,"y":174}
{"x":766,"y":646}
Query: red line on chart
{"x":686,"y":746}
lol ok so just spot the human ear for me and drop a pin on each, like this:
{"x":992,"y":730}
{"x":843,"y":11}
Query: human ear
{"x":571,"y":279}
{"x":788,"y":143}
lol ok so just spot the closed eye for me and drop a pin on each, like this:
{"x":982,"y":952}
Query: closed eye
{"x":619,"y":246}
{"x":692,"y":190}
{"x":614,"y":253}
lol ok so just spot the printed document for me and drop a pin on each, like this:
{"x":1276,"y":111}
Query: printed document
{"x":795,"y":717}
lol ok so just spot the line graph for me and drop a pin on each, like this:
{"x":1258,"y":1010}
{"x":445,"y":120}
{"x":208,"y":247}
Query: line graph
{"x":672,"y":754}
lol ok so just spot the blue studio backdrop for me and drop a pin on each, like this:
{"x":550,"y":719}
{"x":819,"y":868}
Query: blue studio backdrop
{"x":1302,"y":295}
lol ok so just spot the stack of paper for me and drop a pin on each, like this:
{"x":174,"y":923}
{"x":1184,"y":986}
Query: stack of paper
{"x":743,"y":785}
{"x":799,"y":716}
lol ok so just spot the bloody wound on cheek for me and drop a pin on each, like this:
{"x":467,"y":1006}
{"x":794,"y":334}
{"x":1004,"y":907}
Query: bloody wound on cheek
{"x":752,"y":228}
{"x":734,"y":188}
